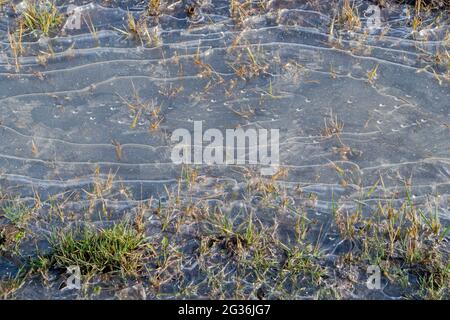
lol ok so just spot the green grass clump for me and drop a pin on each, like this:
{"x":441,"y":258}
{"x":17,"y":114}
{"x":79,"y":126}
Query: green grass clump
{"x":13,"y":232}
{"x":41,"y":16}
{"x":17,"y":214}
{"x":402,"y":237}
{"x":120,"y":248}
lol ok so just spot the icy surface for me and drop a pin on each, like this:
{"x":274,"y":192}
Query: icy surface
{"x":60,"y":120}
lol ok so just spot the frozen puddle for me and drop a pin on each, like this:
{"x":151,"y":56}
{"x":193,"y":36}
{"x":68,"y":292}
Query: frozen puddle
{"x":361,"y":114}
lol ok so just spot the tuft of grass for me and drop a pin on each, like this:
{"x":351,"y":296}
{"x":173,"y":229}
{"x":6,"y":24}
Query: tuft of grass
{"x":120,"y":248}
{"x":41,"y":16}
{"x":401,"y":238}
{"x":304,"y":261}
{"x":10,"y":284}
{"x":11,"y":234}
{"x":140,"y":108}
{"x":154,"y":7}
{"x":348,"y":16}
{"x":91,"y":27}
{"x":417,"y":20}
{"x":15,"y":43}
{"x":137,"y":29}
{"x":16,"y":213}
{"x":372,"y":74}
{"x":248,"y":64}
{"x":240,"y":10}
{"x":333,"y":126}
{"x":133,"y":26}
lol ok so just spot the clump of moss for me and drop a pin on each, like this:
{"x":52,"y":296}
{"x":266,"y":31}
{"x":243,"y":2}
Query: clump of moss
{"x":120,"y":248}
